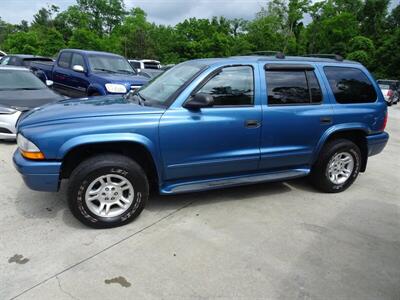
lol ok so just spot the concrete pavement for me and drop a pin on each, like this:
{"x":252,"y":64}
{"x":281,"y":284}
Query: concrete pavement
{"x":268,"y":241}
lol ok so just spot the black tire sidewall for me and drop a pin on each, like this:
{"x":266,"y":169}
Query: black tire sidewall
{"x":82,"y":181}
{"x":321,"y":175}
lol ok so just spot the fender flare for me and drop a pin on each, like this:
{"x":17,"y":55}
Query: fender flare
{"x":112,"y":138}
{"x":339,"y":128}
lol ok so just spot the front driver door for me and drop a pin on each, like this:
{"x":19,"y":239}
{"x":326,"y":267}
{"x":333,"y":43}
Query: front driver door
{"x":219,"y":140}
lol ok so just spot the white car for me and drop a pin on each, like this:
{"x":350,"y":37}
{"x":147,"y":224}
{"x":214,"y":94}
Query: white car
{"x":139,"y":65}
{"x":20,"y":91}
{"x":2,"y":54}
{"x":390,"y":90}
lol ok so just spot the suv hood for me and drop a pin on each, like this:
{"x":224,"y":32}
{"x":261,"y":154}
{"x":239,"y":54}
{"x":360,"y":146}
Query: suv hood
{"x":86,"y":108}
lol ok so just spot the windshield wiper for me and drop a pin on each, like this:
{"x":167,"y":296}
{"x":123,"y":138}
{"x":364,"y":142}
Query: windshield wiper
{"x":105,"y":70}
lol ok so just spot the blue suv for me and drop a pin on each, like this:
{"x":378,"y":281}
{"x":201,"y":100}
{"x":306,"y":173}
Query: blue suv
{"x":202,"y":125}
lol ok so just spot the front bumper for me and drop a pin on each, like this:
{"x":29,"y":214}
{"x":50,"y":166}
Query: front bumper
{"x":377,"y":142}
{"x":38,"y":175}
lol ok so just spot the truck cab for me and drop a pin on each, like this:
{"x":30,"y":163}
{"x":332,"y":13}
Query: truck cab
{"x":80,"y":73}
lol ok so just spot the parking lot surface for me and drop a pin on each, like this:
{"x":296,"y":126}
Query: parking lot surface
{"x":266,"y":241}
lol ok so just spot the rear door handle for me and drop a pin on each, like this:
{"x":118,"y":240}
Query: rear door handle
{"x":326,"y":120}
{"x":252,"y":124}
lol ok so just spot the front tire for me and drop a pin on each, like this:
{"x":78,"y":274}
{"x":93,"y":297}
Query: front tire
{"x":337,"y":167}
{"x":107,"y":191}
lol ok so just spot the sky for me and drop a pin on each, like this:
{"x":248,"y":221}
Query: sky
{"x":159,"y":11}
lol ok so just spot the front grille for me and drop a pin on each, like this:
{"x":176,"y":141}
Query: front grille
{"x":4,"y":130}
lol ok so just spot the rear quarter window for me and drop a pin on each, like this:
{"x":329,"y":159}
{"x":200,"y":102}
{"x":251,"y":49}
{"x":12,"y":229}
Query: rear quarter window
{"x":350,"y":85}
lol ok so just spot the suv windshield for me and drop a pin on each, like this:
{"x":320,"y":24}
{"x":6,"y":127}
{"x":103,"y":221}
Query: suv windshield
{"x":19,"y":80}
{"x":164,"y":86}
{"x":111,"y":64}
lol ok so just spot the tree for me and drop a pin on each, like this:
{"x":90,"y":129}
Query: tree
{"x":389,"y":54}
{"x":103,"y":15}
{"x":44,"y":17}
{"x":373,"y":16}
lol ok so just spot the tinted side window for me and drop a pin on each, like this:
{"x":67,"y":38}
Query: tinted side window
{"x":77,"y":59}
{"x":65,"y":59}
{"x":350,"y":85}
{"x":287,"y":87}
{"x":231,"y":86}
{"x":13,"y":61}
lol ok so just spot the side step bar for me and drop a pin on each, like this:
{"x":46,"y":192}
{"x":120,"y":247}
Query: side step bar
{"x":216,"y":183}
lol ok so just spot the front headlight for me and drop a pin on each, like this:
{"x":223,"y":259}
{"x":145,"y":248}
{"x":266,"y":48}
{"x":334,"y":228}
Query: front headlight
{"x":116,"y":88}
{"x":28,"y":149}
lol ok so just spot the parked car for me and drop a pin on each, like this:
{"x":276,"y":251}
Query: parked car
{"x":143,"y":64}
{"x":2,"y":54}
{"x":202,"y":125}
{"x":390,"y":90}
{"x":20,"y":91}
{"x":23,"y":60}
{"x":80,"y":73}
{"x":151,"y":73}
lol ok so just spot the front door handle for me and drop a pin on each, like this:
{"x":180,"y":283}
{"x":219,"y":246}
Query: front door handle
{"x":252,"y":124}
{"x":326,"y":120}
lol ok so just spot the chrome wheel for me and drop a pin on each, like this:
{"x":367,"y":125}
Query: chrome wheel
{"x":109,"y":196}
{"x":340,"y":167}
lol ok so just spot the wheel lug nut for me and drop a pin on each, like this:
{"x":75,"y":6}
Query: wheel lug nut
{"x":115,"y":193}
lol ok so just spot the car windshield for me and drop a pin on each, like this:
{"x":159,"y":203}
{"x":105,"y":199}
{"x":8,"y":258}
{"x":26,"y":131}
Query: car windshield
{"x":110,"y":64}
{"x":19,"y":80}
{"x":164,"y":86}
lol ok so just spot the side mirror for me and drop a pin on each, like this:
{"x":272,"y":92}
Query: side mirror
{"x":49,"y":82}
{"x":78,"y":68}
{"x":199,"y":100}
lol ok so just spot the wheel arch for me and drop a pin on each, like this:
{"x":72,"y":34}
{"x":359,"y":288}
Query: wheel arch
{"x":356,"y":134}
{"x":137,"y":147}
{"x":95,"y":88}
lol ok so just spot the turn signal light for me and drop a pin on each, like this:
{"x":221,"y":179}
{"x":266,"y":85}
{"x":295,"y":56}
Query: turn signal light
{"x":32,"y":155}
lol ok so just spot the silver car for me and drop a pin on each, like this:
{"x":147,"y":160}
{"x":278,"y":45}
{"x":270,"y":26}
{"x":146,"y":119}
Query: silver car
{"x":20,"y":91}
{"x":8,"y":119}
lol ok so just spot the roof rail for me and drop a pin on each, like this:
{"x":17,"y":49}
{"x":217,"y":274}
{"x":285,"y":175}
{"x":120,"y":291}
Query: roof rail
{"x":332,"y":56}
{"x":277,"y":54}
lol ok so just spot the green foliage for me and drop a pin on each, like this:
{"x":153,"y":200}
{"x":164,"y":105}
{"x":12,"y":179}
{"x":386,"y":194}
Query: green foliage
{"x":86,"y":39}
{"x":361,"y":30}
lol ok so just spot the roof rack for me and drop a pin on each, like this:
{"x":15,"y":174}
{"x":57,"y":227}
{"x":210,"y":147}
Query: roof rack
{"x":277,"y":54}
{"x":332,"y":56}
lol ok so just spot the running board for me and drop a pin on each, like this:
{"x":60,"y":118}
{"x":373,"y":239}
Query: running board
{"x":216,"y":183}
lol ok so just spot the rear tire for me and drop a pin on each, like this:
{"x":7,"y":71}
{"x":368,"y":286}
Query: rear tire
{"x":107,"y":191}
{"x":337,"y":166}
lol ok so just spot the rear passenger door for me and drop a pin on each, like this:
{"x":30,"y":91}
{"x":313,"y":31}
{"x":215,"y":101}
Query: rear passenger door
{"x":296,"y":112}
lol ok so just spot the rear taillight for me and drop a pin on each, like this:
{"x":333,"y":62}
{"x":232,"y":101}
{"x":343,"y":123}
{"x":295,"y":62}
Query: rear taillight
{"x":389,"y":93}
{"x":384,"y":121}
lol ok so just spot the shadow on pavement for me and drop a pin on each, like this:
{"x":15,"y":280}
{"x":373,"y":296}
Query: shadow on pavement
{"x":41,"y":205}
